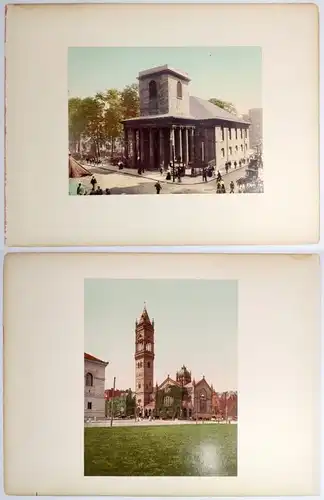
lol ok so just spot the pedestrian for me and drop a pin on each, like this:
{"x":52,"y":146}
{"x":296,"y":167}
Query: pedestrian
{"x":107,"y":191}
{"x":232,"y":187}
{"x":226,"y":168}
{"x":158,"y":187}
{"x":93,"y":182}
{"x":79,"y":188}
{"x":223,"y":188}
{"x":204,"y":175}
{"x":161,"y":170}
{"x":218,"y":188}
{"x":99,"y":190}
{"x":235,"y":164}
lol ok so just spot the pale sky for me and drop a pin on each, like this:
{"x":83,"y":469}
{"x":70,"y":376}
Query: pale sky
{"x":195,"y":324}
{"x":228,"y":73}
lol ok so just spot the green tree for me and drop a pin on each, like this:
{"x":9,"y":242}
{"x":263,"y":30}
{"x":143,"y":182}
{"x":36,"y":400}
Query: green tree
{"x":130,"y":101}
{"x":117,"y":405}
{"x":77,"y":123}
{"x":227,"y":106}
{"x":130,"y":403}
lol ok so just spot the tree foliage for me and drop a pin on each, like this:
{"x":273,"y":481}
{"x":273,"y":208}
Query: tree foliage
{"x":227,"y":106}
{"x":99,"y":118}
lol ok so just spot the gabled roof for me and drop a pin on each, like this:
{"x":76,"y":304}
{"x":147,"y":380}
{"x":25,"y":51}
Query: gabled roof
{"x":170,"y":380}
{"x":89,"y":357}
{"x":200,"y":109}
{"x":203,"y":380}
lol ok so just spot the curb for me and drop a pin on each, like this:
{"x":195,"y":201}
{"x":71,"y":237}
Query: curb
{"x":169,"y":182}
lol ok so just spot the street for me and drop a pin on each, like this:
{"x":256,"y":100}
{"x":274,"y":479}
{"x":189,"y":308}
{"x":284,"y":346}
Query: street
{"x":129,"y":182}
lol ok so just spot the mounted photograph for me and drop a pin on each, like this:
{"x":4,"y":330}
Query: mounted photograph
{"x":160,"y":377}
{"x":165,"y":120}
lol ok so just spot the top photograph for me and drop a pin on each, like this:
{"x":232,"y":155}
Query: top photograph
{"x":180,"y":120}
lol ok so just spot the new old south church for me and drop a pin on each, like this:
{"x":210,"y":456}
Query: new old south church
{"x":197,"y":400}
{"x":175,"y":126}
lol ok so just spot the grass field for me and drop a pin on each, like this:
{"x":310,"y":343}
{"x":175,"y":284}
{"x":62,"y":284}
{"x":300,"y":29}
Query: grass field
{"x":173,"y":450}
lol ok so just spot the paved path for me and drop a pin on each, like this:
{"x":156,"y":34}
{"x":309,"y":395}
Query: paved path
{"x":143,"y":423}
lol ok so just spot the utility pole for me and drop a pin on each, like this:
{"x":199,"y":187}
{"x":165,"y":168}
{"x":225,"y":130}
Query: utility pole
{"x":112,"y":403}
{"x":226,"y":406}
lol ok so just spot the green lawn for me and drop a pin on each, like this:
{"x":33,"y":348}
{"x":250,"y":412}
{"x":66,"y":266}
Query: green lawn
{"x":166,"y":450}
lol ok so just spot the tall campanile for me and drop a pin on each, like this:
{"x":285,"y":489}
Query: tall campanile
{"x":144,"y":359}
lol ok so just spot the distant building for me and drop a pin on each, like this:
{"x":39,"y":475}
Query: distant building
{"x":256,"y":129}
{"x":180,"y":397}
{"x":175,"y":126}
{"x":114,"y":393}
{"x":94,"y":386}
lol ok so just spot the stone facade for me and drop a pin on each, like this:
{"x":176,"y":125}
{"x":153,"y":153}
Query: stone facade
{"x":94,"y":387}
{"x":200,"y":401}
{"x":256,"y":120}
{"x":144,"y":359}
{"x":176,"y":127}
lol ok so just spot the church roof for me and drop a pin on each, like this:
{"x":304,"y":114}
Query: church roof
{"x":164,"y":69}
{"x":89,"y":357}
{"x":200,"y":109}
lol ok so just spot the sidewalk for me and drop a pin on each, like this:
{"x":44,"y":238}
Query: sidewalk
{"x":156,"y":176}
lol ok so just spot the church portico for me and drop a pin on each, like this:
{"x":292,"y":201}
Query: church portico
{"x":154,"y":146}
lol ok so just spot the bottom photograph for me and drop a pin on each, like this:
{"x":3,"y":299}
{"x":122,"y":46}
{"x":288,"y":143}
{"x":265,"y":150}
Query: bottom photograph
{"x":160,"y":377}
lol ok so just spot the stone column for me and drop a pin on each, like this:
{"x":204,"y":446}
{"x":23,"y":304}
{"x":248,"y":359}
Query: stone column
{"x":161,"y":148}
{"x":180,"y":143}
{"x":126,"y":143}
{"x":134,"y":147}
{"x":141,"y":137}
{"x":186,"y":146}
{"x":172,"y":144}
{"x":151,"y":146}
{"x":191,"y":145}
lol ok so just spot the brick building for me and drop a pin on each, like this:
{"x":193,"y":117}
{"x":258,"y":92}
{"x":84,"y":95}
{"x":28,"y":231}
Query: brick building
{"x":94,"y":386}
{"x":175,"y":126}
{"x":195,"y":399}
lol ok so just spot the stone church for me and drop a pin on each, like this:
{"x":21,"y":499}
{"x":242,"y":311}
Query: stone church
{"x":175,"y":126}
{"x":195,"y":398}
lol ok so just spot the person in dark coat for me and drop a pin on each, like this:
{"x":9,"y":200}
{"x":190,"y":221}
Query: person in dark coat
{"x":232,"y":187}
{"x":93,"y":182}
{"x":158,"y":187}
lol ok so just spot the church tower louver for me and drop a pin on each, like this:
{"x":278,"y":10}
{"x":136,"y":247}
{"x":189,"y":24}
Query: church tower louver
{"x":144,"y":359}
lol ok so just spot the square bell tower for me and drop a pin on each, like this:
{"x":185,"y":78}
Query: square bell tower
{"x":164,"y":90}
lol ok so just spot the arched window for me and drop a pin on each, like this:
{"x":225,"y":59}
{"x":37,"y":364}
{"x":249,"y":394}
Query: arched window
{"x":236,"y":148}
{"x":179,"y":90}
{"x":149,"y":347}
{"x":89,"y":380}
{"x":168,"y":401}
{"x":223,"y":153}
{"x":202,"y":401}
{"x":152,"y":89}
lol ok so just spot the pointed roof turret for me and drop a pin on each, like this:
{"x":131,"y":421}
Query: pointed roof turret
{"x":144,"y":316}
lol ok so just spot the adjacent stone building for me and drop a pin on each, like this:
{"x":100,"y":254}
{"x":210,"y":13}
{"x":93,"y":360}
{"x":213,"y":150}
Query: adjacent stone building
{"x":180,"y":397}
{"x":94,"y":386}
{"x":256,"y":132}
{"x":174,"y":126}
